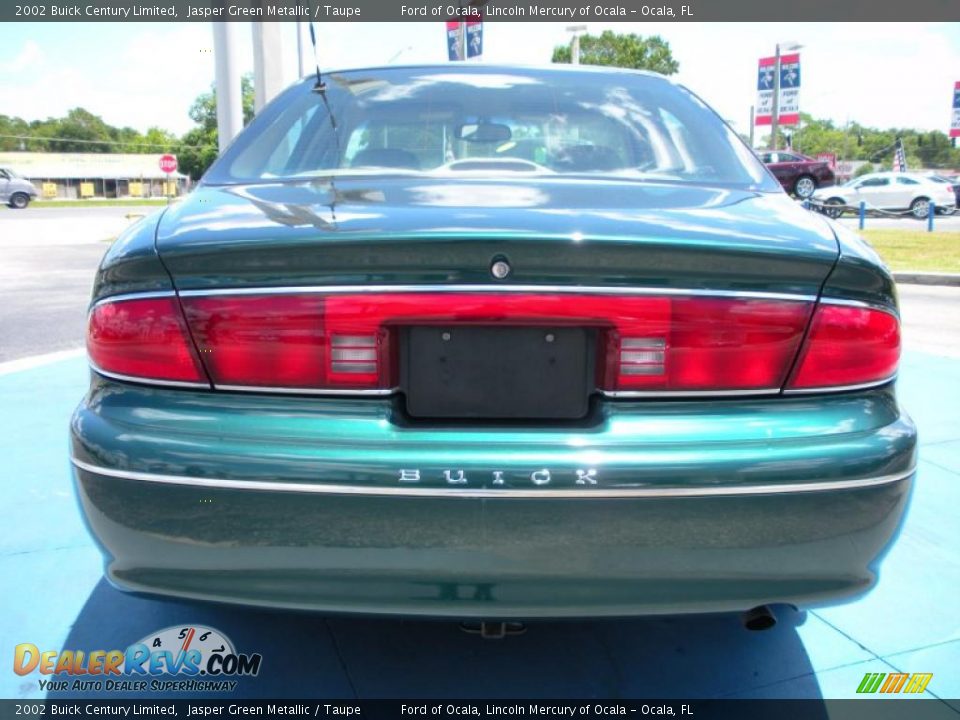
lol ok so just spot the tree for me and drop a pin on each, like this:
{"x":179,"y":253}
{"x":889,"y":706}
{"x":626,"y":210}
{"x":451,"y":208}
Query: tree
{"x":204,"y":108}
{"x":622,"y":50}
{"x":13,"y":126}
{"x":204,"y":139}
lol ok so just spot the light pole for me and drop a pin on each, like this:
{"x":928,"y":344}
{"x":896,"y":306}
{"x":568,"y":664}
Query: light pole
{"x":775,"y":110}
{"x":575,"y":42}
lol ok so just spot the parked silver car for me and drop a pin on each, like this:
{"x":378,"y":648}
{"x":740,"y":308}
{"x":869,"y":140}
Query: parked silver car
{"x":891,"y":191}
{"x":15,"y":190}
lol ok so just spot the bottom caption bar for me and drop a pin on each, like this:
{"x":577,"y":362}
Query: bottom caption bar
{"x":916,"y":709}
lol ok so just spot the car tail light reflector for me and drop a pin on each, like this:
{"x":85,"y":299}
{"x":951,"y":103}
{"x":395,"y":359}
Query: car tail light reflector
{"x":353,"y":353}
{"x":848,"y":346}
{"x":142,"y":338}
{"x":642,"y":356}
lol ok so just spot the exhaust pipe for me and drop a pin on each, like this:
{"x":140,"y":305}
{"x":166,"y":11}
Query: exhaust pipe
{"x":759,"y":618}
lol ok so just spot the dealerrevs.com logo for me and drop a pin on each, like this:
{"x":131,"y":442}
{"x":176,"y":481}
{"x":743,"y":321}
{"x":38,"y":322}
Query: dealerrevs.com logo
{"x":190,"y":658}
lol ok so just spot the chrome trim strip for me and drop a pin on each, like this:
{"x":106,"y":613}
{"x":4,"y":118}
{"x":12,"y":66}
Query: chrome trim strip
{"x":378,"y":392}
{"x":134,"y":296}
{"x":564,"y":289}
{"x":860,"y":304}
{"x":621,"y":394}
{"x":840,"y":388}
{"x":146,"y":381}
{"x":443,"y":492}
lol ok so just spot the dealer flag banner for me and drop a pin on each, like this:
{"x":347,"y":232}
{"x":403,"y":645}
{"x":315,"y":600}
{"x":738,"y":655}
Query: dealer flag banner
{"x":789,"y":90}
{"x":955,"y":122}
{"x":454,"y":40}
{"x":474,"y":30}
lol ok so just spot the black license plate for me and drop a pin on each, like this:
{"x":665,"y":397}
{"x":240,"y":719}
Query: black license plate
{"x":475,"y":372}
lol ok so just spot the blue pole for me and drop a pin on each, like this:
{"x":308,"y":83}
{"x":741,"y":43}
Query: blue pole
{"x":930,"y":213}
{"x":863,"y":213}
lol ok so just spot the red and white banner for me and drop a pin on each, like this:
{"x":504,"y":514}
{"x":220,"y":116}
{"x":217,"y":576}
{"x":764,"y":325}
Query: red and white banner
{"x":829,"y":158}
{"x":789,"y":113}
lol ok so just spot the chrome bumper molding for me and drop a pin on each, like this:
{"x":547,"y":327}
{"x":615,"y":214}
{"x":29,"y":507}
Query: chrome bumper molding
{"x":451,"y":492}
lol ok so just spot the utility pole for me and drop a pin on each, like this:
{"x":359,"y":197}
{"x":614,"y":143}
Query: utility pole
{"x":775,"y":110}
{"x":300,"y":66}
{"x":229,"y":96}
{"x":267,"y":65}
{"x":575,"y":42}
{"x":751,"y":126}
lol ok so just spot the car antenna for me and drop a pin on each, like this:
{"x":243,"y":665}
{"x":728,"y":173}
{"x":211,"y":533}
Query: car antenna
{"x":320,"y":86}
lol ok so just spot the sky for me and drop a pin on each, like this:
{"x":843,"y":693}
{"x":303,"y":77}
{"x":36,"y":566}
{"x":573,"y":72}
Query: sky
{"x":148,"y":74}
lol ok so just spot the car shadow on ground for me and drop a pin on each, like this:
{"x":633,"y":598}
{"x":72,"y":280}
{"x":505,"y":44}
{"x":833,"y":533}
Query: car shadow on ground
{"x":311,"y":656}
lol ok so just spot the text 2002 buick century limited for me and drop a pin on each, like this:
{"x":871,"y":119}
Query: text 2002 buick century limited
{"x":488,"y":342}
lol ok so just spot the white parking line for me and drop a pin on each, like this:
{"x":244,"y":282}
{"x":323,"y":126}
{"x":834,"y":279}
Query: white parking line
{"x":12,"y":366}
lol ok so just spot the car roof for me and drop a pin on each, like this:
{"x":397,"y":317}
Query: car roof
{"x":892,"y":173}
{"x":474,"y":67}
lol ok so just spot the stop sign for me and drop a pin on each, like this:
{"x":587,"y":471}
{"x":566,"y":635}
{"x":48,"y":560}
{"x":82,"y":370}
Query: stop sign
{"x":168,"y":163}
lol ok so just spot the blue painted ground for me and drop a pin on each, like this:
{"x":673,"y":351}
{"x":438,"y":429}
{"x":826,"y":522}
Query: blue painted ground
{"x":53,"y":596}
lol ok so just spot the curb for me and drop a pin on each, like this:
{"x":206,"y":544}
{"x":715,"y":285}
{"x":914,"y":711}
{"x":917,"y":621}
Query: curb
{"x":927,"y":278}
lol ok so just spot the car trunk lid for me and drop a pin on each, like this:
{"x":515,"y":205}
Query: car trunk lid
{"x":427,"y":230}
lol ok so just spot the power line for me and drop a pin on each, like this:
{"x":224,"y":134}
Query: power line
{"x":173,"y":144}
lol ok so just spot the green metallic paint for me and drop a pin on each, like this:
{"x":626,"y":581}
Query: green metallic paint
{"x":132,"y":265}
{"x":565,"y":232}
{"x":366,"y":442}
{"x":502,"y":557}
{"x":860,"y":273}
{"x":491,"y":558}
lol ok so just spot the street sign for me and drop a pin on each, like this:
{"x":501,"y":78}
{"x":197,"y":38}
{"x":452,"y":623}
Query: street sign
{"x":474,"y":38}
{"x":789,"y":90}
{"x":168,"y":163}
{"x":955,"y":123}
{"x":454,"y":40}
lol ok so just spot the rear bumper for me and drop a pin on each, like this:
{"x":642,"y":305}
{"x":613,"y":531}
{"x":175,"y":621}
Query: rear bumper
{"x":298,"y":502}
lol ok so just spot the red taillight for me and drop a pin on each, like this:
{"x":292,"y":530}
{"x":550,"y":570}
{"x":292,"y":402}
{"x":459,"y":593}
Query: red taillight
{"x":266,"y":341}
{"x":708,"y":344}
{"x":142,"y":338}
{"x":848,"y":346}
{"x":645,"y":343}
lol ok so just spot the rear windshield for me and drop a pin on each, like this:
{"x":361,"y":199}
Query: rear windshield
{"x":489,"y":120}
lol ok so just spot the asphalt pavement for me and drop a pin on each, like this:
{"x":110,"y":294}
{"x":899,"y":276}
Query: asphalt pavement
{"x":54,"y":596}
{"x":48,"y":257}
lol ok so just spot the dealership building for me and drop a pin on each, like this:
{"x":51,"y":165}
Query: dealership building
{"x":72,"y":176}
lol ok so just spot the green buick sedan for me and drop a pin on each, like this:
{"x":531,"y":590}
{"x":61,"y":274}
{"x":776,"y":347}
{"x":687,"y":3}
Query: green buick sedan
{"x":487,"y":342}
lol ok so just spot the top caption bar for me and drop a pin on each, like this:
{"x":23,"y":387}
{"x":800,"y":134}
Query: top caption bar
{"x":493,"y":10}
